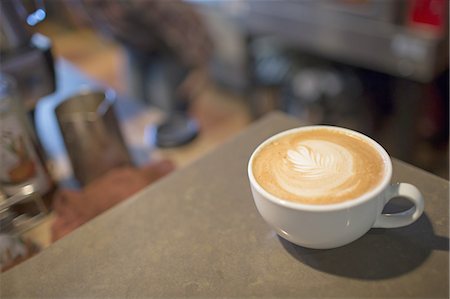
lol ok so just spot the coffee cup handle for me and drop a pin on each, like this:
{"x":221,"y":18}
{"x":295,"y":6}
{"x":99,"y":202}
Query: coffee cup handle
{"x":404,"y":218}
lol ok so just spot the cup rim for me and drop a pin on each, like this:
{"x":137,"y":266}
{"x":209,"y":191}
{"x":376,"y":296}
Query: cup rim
{"x":323,"y":207}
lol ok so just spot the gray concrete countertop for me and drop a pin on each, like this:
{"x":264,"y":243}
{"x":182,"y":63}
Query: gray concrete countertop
{"x":197,"y":233}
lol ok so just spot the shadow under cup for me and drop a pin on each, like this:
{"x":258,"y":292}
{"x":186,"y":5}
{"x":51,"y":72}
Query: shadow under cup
{"x":324,"y":226}
{"x":91,"y":134}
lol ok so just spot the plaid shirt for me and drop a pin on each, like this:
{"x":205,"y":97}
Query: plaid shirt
{"x":154,"y":26}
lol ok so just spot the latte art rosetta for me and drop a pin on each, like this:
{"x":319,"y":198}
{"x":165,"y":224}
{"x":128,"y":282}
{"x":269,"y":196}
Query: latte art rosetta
{"x":317,"y":159}
{"x":314,"y":167}
{"x":318,"y":167}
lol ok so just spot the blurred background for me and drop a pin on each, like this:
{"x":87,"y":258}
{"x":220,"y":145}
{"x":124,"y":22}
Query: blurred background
{"x":376,"y":66}
{"x":380,"y":67}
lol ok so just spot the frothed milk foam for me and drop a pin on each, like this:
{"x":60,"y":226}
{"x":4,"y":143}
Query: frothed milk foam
{"x":318,"y":166}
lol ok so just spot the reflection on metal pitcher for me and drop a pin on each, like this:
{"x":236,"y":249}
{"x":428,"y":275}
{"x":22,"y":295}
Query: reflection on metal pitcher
{"x":91,"y":134}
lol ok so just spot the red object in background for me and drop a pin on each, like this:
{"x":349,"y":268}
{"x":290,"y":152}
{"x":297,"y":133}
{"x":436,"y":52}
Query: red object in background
{"x":430,"y":15}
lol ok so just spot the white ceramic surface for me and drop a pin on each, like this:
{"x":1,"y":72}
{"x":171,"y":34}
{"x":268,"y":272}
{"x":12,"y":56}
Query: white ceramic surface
{"x":334,"y":225}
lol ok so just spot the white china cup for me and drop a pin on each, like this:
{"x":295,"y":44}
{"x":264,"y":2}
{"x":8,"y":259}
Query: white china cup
{"x":332,"y":225}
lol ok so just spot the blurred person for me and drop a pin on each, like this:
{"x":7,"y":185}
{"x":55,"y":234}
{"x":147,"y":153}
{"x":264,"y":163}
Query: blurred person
{"x":163,"y":41}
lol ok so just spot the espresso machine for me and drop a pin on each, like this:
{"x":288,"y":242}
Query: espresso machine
{"x":27,"y":74}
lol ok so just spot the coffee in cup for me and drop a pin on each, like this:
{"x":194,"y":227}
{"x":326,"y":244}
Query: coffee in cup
{"x":324,"y":186}
{"x":319,"y":166}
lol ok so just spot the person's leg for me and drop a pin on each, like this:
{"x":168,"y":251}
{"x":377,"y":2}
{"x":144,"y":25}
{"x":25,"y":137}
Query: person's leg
{"x":136,"y":68}
{"x":163,"y":78}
